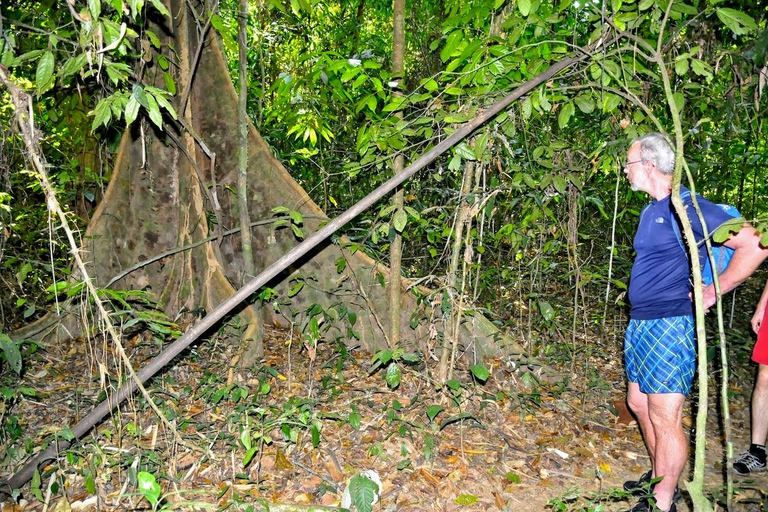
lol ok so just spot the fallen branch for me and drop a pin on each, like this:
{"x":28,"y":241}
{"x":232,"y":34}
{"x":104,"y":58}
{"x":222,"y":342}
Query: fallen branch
{"x":276,"y":268}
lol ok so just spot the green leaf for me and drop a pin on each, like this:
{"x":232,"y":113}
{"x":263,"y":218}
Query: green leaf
{"x":585,"y":103}
{"x":527,"y":108}
{"x":679,"y":100}
{"x":363,"y":492}
{"x":102,"y":114}
{"x":250,"y":452}
{"x":72,"y":66}
{"x":547,"y":311}
{"x":701,"y":68}
{"x":393,"y":375}
{"x":524,"y":6}
{"x":11,"y":352}
{"x":645,"y":4}
{"x":480,"y":372}
{"x":399,"y":220}
{"x":610,"y":102}
{"x":466,"y":499}
{"x":681,"y":66}
{"x":154,"y":111}
{"x":565,"y":115}
{"x":44,"y":74}
{"x":354,"y":420}
{"x":452,"y":42}
{"x":131,"y":110}
{"x":140,"y":95}
{"x":149,"y":488}
{"x":560,"y":184}
{"x":153,"y":39}
{"x":296,"y":288}
{"x":95,"y":7}
{"x":728,"y":228}
{"x":157,"y":4}
{"x":465,"y":152}
{"x":433,"y":411}
{"x":739,"y":22}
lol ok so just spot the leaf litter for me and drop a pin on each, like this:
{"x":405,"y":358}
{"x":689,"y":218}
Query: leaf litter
{"x":297,"y":429}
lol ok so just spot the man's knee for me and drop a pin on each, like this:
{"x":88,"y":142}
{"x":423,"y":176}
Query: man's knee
{"x":762,"y":377}
{"x":666,"y":409}
{"x":637,"y":402}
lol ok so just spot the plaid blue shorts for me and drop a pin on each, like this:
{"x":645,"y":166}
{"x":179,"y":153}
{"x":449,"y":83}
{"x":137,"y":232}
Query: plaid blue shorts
{"x":660,"y":354}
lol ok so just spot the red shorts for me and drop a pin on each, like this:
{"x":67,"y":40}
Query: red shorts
{"x":760,"y":352}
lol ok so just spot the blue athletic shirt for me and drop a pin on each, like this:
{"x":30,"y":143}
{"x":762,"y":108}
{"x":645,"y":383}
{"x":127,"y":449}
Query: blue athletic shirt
{"x":660,"y":281}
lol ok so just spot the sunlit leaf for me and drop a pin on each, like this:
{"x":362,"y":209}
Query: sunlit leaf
{"x":739,"y":22}
{"x":44,"y":74}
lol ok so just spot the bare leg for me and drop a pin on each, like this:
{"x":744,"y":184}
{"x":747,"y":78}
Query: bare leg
{"x":638,"y":403}
{"x":665,"y":411}
{"x":760,"y":406}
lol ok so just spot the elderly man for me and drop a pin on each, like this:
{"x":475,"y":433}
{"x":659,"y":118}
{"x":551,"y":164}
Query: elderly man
{"x":754,"y":459}
{"x":659,"y":346}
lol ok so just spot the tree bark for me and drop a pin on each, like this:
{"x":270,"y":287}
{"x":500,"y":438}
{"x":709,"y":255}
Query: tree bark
{"x":396,"y":248}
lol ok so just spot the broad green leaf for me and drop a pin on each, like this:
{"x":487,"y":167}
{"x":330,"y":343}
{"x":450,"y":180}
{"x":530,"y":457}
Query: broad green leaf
{"x":679,"y":100}
{"x":131,"y":110}
{"x":585,"y":103}
{"x":452,"y":42}
{"x":72,"y":66}
{"x":44,"y":75}
{"x":681,"y":66}
{"x":543,"y":101}
{"x":249,"y":455}
{"x":465,"y":152}
{"x":157,"y":4}
{"x":616,"y":5}
{"x":296,"y":288}
{"x":429,"y":84}
{"x":354,"y":420}
{"x":524,"y":6}
{"x":646,"y":4}
{"x":565,"y":114}
{"x":546,"y":310}
{"x":102,"y":114}
{"x":728,"y":228}
{"x":610,"y":102}
{"x":148,"y":487}
{"x":393,"y":375}
{"x":170,"y":85}
{"x":480,"y":372}
{"x":95,"y":7}
{"x":466,"y":499}
{"x":154,"y":111}
{"x":739,"y":22}
{"x":399,"y":220}
{"x":363,"y":491}
{"x":11,"y":352}
{"x":527,"y":108}
{"x":560,"y":184}
{"x":701,"y":68}
{"x":433,"y":411}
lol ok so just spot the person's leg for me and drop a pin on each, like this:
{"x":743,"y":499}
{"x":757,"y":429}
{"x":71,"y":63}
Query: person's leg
{"x":665,"y":411}
{"x":638,"y":404}
{"x":760,"y":406}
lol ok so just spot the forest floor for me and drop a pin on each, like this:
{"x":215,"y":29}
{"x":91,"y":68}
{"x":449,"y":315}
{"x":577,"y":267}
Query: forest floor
{"x":515,"y":443}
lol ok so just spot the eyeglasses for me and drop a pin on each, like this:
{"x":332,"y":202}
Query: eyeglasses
{"x":627,"y":164}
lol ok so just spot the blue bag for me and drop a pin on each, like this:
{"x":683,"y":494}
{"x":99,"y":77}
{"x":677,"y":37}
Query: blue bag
{"x":721,"y":253}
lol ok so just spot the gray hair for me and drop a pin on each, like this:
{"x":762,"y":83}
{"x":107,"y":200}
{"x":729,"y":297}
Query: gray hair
{"x":655,"y":147}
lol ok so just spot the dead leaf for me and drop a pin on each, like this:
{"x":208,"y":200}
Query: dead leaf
{"x":281,"y":462}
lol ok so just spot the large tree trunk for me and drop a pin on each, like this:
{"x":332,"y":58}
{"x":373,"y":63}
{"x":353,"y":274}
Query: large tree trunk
{"x":161,"y":197}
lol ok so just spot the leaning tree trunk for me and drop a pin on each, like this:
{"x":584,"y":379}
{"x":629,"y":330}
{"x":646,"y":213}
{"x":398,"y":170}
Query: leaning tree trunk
{"x":166,"y":187}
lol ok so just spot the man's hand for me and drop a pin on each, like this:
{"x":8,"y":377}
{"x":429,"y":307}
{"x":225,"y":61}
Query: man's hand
{"x":710,"y":297}
{"x":757,"y":318}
